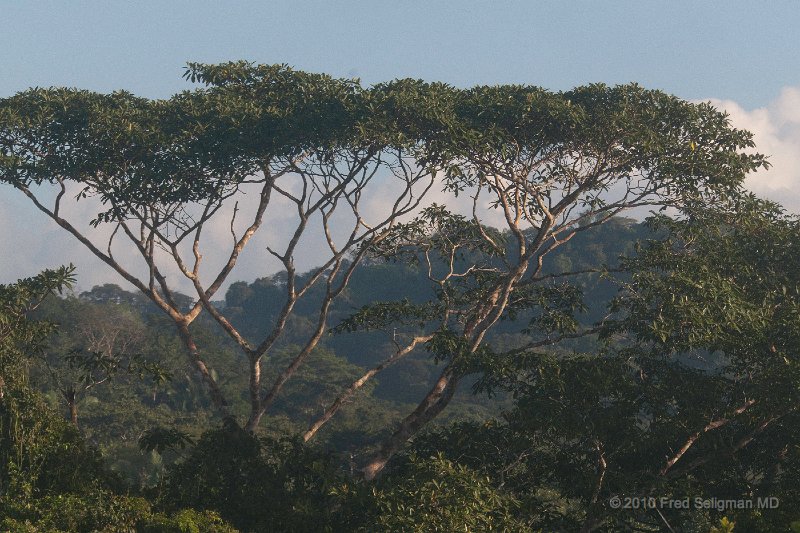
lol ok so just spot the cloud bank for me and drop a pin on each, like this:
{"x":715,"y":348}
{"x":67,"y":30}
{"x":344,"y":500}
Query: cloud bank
{"x":776,"y":131}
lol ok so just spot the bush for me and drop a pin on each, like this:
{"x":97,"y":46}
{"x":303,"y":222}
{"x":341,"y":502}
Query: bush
{"x":255,"y":484}
{"x":436,"y":494}
{"x":98,"y":511}
{"x":41,"y":454}
{"x":186,"y":521}
{"x":103,"y":511}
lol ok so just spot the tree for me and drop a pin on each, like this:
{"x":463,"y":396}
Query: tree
{"x":694,"y":394}
{"x":165,"y":172}
{"x":20,"y":336}
{"x":717,"y":303}
{"x":552,"y":166}
{"x":95,"y":344}
{"x":258,"y":484}
{"x":437,"y":495}
{"x":38,"y":451}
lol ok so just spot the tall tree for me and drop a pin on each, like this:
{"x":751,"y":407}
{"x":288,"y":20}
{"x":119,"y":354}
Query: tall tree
{"x":545,"y":166}
{"x":165,"y":172}
{"x":552,"y":166}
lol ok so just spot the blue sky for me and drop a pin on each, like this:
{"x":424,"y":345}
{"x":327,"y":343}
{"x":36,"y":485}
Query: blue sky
{"x":741,"y":55}
{"x":737,"y":50}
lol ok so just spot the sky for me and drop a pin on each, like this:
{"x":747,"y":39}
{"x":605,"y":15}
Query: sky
{"x":738,"y":55}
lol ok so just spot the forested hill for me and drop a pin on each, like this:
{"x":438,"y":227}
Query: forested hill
{"x":255,"y":306}
{"x":116,"y":412}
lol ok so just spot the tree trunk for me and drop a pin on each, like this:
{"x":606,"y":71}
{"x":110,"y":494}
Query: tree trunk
{"x":217,"y":398}
{"x":272,"y":394}
{"x":433,"y":404}
{"x":255,"y":394}
{"x":72,"y":405}
{"x":289,"y":371}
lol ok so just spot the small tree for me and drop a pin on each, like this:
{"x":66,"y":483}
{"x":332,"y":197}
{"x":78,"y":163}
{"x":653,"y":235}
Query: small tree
{"x":38,"y":451}
{"x":21,"y":337}
{"x":435,"y":494}
{"x":94,"y":345}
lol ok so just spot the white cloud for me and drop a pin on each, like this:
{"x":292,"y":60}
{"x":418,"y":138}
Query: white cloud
{"x":30,"y":242}
{"x":776,"y":131}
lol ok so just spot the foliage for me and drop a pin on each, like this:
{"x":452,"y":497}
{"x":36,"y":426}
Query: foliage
{"x":255,"y":484}
{"x":20,"y":336}
{"x":725,"y":526}
{"x":39,"y":454}
{"x":160,"y":439}
{"x":186,"y":521}
{"x":104,"y":511}
{"x":436,"y":494}
{"x":694,"y":394}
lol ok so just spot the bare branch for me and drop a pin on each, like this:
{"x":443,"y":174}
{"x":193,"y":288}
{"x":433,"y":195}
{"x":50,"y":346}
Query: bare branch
{"x":714,"y":424}
{"x":360,"y":382}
